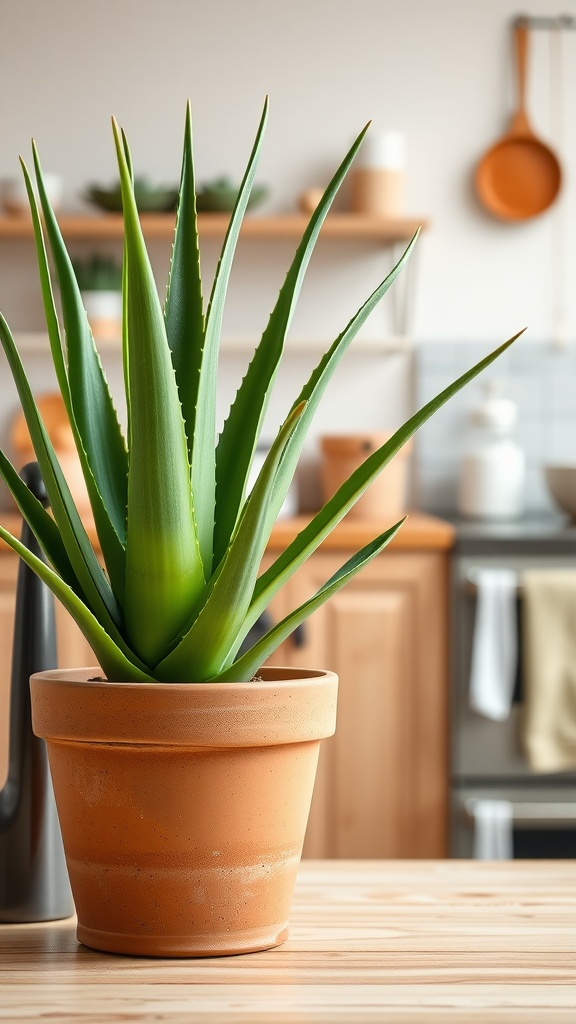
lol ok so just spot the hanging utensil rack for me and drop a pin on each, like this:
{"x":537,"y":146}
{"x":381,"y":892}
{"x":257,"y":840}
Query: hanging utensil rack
{"x":561,"y":21}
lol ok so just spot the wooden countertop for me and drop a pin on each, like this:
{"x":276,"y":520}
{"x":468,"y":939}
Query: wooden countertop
{"x":420,"y":532}
{"x":414,"y":942}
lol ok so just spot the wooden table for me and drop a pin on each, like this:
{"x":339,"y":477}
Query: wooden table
{"x":404,"y":941}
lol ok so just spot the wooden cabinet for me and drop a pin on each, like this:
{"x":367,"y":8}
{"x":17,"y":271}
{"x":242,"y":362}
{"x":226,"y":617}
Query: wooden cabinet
{"x":382,"y":785}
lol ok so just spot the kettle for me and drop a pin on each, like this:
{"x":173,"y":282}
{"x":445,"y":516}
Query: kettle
{"x":33,"y":877}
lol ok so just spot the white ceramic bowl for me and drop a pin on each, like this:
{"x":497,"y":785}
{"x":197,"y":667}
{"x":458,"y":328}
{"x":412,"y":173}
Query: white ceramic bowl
{"x":561,"y":482}
{"x":14,"y":198}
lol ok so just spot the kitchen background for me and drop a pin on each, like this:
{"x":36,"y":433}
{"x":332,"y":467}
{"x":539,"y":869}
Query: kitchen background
{"x":440,"y":72}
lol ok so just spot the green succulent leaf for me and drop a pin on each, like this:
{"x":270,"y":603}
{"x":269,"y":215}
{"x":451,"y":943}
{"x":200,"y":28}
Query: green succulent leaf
{"x":271,"y":581}
{"x":204,"y":442}
{"x":85,"y":564}
{"x":315,"y":387}
{"x":241,"y":430}
{"x":50,"y":314}
{"x":182,"y":542}
{"x":92,"y":415}
{"x":114,"y":663}
{"x":164,"y":572}
{"x":246,"y":666}
{"x":40,"y":521}
{"x":184,"y":312}
{"x":203,"y":650}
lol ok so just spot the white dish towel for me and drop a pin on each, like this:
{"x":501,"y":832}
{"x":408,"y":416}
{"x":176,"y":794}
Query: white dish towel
{"x":495,"y":643}
{"x":493,"y":829}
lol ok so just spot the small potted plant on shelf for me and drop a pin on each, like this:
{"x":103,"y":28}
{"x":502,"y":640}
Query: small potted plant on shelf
{"x":100,"y":282}
{"x":183,"y":769}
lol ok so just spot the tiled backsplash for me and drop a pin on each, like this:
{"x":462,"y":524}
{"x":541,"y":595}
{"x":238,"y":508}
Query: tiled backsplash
{"x":539,"y":377}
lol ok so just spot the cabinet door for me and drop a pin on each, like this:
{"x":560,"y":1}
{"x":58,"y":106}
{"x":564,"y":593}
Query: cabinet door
{"x":382,"y":782}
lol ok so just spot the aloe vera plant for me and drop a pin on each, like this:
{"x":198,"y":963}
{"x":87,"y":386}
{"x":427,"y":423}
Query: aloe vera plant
{"x":181,"y":539}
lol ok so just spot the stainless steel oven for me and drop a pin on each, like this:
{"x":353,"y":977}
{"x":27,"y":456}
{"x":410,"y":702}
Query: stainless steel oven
{"x":487,"y":759}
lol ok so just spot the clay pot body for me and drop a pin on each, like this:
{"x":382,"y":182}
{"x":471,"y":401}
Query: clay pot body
{"x":183,"y":807}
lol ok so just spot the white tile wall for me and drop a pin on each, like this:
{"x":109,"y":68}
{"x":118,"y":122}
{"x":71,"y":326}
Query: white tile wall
{"x":542,"y":381}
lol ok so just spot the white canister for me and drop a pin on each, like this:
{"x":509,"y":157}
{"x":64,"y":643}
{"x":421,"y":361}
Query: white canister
{"x":493,"y":466}
{"x":377,"y":179}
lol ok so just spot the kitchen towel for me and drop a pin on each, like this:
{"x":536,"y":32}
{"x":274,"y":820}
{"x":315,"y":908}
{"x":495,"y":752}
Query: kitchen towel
{"x":494,"y":643}
{"x":549,"y":659}
{"x":493,"y":829}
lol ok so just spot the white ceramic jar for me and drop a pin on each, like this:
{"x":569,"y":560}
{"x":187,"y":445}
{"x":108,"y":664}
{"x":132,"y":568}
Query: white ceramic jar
{"x":493,"y":466}
{"x":377,"y":178}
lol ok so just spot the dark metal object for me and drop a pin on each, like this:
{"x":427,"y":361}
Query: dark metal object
{"x":299,"y":636}
{"x":561,"y":21}
{"x":33,"y":878}
{"x":256,"y":632}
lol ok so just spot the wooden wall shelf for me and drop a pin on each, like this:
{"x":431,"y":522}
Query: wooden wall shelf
{"x":344,"y":226}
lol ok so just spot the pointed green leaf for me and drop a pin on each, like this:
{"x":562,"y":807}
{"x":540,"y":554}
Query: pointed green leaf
{"x":50,"y":314}
{"x":85,"y":564}
{"x":246,"y":666}
{"x":241,"y":430}
{"x":40,"y":522}
{"x":203,"y":650}
{"x":271,"y":581}
{"x":114,"y":663}
{"x":316,"y":385}
{"x":125,"y":369}
{"x":183,"y":312}
{"x":204,"y":442}
{"x":164,"y":574}
{"x":90,"y":408}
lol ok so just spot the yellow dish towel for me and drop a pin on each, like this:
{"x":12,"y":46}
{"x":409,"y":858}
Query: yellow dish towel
{"x":549,"y":668}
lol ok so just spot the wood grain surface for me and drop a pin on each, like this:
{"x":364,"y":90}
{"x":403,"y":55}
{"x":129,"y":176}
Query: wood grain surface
{"x":420,"y":532}
{"x":278,"y":226}
{"x":412,"y":942}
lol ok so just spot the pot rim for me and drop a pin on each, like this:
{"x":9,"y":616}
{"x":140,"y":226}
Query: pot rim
{"x":287,"y":705}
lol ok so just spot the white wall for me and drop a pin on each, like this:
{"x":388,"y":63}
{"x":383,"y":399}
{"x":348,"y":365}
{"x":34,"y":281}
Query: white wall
{"x":437,"y":69}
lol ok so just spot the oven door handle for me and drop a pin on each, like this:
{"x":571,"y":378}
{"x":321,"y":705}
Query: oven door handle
{"x":529,"y":814}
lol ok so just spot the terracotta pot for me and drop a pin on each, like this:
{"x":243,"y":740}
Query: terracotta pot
{"x":385,"y":498}
{"x":183,"y":807}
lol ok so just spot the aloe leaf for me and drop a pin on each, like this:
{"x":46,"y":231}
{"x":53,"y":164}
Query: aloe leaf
{"x":125,"y":346}
{"x":51,"y":316}
{"x":128,"y":155}
{"x":90,"y":408}
{"x":114,"y":663}
{"x":316,"y":385}
{"x":204,"y":648}
{"x":85,"y":564}
{"x":241,"y":430}
{"x":271,"y":581}
{"x":164,"y":573}
{"x":183,"y":311}
{"x":204,"y":441}
{"x":40,"y":521}
{"x":246,"y":666}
